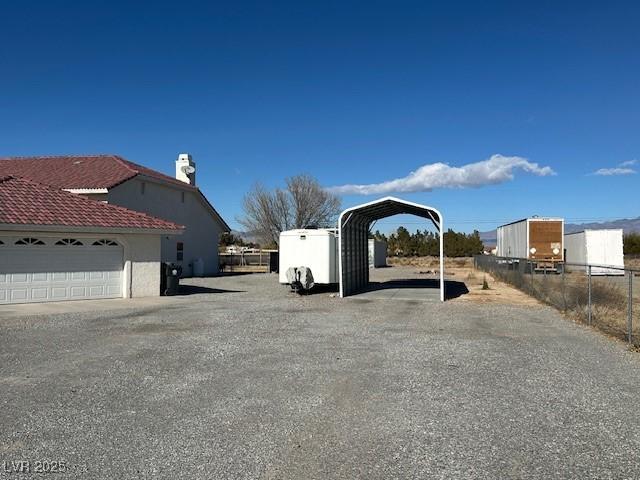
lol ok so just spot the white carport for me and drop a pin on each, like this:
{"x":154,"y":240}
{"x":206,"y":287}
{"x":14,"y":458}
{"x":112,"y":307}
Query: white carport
{"x":354,"y":225}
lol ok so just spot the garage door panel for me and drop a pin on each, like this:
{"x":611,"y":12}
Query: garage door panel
{"x":78,"y":275}
{"x":78,"y":292}
{"x":113,"y":291}
{"x":59,"y":293}
{"x":18,"y":295}
{"x":97,"y":291}
{"x":39,"y":293}
{"x":97,"y":275}
{"x":46,"y":273}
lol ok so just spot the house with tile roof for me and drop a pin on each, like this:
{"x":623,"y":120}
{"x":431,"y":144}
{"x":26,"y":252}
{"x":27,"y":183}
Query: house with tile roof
{"x":117,"y":181}
{"x":56,"y":245}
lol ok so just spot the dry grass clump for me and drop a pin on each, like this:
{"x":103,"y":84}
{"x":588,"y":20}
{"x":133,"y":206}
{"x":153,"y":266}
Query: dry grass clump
{"x":632,"y":261}
{"x":570,"y":294}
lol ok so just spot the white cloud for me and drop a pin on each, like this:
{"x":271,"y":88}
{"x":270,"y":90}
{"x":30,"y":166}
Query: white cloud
{"x":614,"y":171}
{"x":623,"y":168}
{"x":494,"y":170}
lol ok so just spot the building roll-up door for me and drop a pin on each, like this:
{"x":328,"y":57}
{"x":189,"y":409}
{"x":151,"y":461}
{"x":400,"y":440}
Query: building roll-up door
{"x":49,"y":269}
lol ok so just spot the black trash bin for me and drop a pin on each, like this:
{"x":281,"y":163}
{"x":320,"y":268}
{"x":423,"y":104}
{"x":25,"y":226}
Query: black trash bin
{"x":169,"y":278}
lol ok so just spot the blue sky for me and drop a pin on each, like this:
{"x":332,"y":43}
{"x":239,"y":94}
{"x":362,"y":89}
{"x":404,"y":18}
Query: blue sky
{"x":350,"y":92}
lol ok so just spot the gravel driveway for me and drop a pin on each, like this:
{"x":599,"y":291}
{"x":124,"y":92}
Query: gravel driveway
{"x":244,"y":380}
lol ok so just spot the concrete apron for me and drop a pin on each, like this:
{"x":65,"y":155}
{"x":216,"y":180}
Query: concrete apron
{"x":74,"y":306}
{"x":389,"y":292}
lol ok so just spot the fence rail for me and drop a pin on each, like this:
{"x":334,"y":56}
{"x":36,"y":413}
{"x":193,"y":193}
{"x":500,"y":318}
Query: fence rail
{"x":603,"y":296}
{"x":261,"y":261}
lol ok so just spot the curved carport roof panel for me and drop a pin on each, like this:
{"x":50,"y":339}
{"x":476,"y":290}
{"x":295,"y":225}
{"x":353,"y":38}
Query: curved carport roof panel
{"x":354,"y":227}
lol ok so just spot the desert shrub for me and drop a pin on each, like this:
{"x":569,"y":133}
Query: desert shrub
{"x":632,"y":244}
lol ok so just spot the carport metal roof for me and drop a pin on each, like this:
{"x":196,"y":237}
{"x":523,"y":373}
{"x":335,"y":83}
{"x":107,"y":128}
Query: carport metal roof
{"x":353,"y":227}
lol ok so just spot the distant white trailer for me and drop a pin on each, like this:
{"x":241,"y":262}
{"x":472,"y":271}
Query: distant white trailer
{"x":538,"y":239}
{"x":308,"y":257}
{"x":377,"y":253}
{"x":600,"y":248}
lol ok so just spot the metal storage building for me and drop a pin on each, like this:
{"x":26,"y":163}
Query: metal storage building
{"x":354,"y":225}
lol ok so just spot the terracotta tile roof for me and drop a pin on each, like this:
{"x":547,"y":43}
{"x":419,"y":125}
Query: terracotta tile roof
{"x":80,"y":171}
{"x":24,"y":202}
{"x":89,"y":171}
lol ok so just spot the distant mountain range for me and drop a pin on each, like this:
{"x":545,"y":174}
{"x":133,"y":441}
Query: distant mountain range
{"x":627,"y":224}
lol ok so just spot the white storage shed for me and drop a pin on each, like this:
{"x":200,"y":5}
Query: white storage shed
{"x":599,"y":248}
{"x":377,"y":253}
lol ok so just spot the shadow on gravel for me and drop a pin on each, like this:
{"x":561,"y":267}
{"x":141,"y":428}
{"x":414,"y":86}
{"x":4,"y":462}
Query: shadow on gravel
{"x":234,"y":274}
{"x":195,"y":289}
{"x":318,"y":289}
{"x":452,"y":288}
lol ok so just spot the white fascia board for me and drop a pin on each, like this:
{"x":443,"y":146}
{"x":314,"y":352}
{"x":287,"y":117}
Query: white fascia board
{"x":81,"y":229}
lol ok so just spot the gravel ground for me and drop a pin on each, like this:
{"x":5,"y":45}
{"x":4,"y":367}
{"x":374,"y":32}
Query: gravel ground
{"x":242,"y":379}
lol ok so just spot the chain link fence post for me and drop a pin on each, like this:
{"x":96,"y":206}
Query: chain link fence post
{"x":564,"y":290}
{"x":630,"y":308}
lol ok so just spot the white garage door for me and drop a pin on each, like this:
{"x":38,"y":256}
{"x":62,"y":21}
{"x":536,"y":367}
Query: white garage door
{"x":39,"y":269}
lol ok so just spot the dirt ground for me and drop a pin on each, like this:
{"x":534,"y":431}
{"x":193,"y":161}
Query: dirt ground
{"x":461,"y":270}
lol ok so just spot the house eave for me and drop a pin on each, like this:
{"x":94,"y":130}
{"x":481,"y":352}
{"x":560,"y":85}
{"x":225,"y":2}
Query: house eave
{"x":85,"y":229}
{"x":86,"y":191}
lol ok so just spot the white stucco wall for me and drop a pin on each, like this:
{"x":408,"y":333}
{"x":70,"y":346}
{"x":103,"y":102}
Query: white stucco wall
{"x":202,"y":230}
{"x":142,"y":259}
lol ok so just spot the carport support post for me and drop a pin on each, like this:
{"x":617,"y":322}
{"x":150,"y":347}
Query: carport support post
{"x":630,"y":312}
{"x":441,"y":225}
{"x":589,"y":288}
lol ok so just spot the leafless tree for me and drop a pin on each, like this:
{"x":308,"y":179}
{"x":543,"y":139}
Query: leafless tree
{"x":303,"y":203}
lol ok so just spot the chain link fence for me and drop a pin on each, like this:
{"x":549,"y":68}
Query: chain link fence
{"x":608,"y":301}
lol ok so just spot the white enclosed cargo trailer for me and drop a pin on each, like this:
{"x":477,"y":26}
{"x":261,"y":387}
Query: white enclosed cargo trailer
{"x":308,"y":257}
{"x":600,"y":248}
{"x":377,"y":253}
{"x":539,"y":239}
